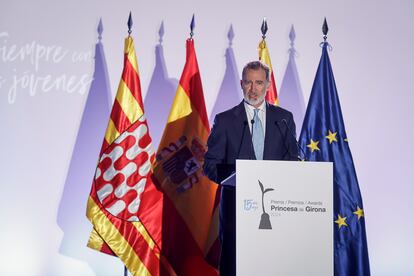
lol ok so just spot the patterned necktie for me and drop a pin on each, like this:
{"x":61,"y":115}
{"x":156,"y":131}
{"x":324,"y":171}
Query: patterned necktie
{"x":257,"y":136}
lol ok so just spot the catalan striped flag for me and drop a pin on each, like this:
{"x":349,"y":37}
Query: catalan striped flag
{"x":264,"y":56}
{"x":124,"y":205}
{"x":191,"y":237}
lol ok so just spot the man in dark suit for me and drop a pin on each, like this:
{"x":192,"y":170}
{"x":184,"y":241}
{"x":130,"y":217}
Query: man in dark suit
{"x":254,"y":129}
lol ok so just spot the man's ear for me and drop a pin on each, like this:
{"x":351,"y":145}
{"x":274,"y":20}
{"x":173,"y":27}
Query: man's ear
{"x":241,"y":84}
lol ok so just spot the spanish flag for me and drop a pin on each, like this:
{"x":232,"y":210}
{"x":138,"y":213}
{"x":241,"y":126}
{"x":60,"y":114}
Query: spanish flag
{"x":189,"y":235}
{"x":264,"y":57}
{"x":124,"y":205}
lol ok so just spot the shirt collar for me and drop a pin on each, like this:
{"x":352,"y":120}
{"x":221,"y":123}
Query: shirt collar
{"x":251,"y":108}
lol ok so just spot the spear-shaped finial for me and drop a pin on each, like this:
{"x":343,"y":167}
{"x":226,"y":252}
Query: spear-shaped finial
{"x":192,"y":25}
{"x":130,"y":24}
{"x":292,"y":35}
{"x":230,"y":35}
{"x":325,"y":29}
{"x":264,"y":28}
{"x":161,"y":31}
{"x":100,"y":29}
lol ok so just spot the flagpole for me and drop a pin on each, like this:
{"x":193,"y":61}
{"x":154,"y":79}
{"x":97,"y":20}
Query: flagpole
{"x":264,"y":57}
{"x":129,"y":24}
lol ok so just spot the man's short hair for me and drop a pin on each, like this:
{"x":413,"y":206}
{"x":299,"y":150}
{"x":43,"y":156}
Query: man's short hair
{"x":256,"y":65}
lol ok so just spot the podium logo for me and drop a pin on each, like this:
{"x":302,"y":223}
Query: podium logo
{"x":250,"y":205}
{"x":265,"y":219}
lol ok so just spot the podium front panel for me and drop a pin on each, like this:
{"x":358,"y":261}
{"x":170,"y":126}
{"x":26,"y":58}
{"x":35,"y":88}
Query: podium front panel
{"x":284,"y":218}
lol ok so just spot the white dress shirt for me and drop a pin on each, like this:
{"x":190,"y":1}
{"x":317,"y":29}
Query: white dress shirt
{"x":250,"y":113}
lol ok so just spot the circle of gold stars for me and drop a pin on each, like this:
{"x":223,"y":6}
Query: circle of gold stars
{"x":313,"y":145}
{"x":341,"y":221}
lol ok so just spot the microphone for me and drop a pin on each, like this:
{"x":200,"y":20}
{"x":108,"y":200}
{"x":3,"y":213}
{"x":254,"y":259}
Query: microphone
{"x":294,"y":138}
{"x":242,"y":138}
{"x":252,"y":122}
{"x":251,"y":144}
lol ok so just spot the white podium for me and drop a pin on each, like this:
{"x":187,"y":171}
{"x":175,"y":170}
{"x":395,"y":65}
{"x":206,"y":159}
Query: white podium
{"x":284,"y":214}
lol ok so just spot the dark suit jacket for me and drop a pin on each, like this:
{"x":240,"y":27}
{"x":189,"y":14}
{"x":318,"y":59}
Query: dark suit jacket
{"x":230,"y":139}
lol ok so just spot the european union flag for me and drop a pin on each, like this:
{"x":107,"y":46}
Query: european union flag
{"x":324,"y":138}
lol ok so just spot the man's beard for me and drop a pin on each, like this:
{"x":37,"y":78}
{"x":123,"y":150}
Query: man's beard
{"x":252,"y":101}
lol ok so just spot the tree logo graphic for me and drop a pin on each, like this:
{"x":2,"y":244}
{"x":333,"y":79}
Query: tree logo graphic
{"x":265,"y":219}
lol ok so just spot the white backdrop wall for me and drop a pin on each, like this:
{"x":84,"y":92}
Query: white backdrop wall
{"x":372,"y":59}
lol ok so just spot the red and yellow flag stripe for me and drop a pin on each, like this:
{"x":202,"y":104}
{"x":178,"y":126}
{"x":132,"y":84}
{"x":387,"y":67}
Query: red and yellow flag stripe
{"x":128,"y":105}
{"x":264,"y":57}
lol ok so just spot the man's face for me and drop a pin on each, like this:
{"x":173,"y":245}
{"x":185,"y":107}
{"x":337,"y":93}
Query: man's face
{"x":254,"y":86}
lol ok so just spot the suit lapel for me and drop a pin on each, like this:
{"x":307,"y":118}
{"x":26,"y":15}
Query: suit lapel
{"x":246,"y":148}
{"x":270,"y":133}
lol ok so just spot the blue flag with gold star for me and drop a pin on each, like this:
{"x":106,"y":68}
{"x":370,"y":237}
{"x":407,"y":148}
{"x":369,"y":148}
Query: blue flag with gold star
{"x":323,"y":138}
